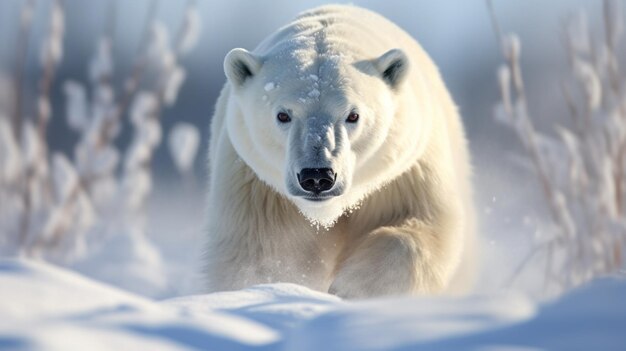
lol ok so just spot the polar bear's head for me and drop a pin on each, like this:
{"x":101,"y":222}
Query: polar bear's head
{"x":323,"y":129}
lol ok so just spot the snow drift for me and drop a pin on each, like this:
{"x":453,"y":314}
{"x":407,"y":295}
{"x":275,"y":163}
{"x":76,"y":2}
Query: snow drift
{"x":43,"y":307}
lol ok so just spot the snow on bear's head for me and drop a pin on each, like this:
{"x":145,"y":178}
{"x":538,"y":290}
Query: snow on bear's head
{"x":321,"y":127}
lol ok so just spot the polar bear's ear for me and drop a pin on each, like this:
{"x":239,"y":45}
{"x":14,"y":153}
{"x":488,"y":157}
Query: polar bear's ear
{"x":240,"y":65}
{"x":393,"y":67}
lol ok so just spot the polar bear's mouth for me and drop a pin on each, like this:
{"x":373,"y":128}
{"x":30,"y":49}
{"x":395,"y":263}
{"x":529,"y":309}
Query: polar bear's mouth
{"x":318,"y":198}
{"x":296,"y":191}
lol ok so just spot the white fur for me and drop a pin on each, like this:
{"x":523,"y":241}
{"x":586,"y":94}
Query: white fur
{"x":404,"y":220}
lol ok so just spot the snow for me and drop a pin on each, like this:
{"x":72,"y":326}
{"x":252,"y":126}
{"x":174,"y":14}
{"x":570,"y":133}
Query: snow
{"x":43,"y":307}
{"x":314,"y":93}
{"x":144,"y":106}
{"x":158,"y":51}
{"x":193,"y":27}
{"x":183,"y":143}
{"x":130,"y":261}
{"x":590,"y":82}
{"x":76,"y":114}
{"x":269,"y":86}
{"x":31,"y":144}
{"x":101,"y":64}
{"x":174,"y":81}
{"x":64,"y":175}
{"x":10,"y":163}
{"x":52,"y":52}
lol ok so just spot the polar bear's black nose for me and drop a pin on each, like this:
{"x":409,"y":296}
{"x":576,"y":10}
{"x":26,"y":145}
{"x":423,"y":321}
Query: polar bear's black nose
{"x":316,"y":180}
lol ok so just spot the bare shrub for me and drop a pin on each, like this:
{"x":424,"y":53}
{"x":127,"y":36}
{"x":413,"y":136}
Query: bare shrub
{"x":59,"y":207}
{"x":581,"y":169}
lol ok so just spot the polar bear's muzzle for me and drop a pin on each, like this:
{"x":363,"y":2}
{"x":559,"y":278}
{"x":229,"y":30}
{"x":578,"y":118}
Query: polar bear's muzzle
{"x":316,"y":180}
{"x":316,"y":168}
{"x":315,"y":184}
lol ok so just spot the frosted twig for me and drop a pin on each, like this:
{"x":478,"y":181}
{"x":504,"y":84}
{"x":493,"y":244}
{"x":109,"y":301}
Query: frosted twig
{"x":523,"y":264}
{"x":50,"y":58}
{"x":56,"y":202}
{"x":613,"y":28}
{"x":133,"y":81}
{"x":163,"y":90}
{"x":510,"y":51}
{"x":189,"y":31}
{"x":26,"y":20}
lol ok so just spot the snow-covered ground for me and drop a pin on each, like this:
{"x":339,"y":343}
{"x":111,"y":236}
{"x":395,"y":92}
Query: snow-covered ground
{"x":43,"y":307}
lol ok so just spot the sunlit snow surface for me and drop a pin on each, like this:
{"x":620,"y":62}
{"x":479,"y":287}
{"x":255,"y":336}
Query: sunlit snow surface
{"x":46,"y":308}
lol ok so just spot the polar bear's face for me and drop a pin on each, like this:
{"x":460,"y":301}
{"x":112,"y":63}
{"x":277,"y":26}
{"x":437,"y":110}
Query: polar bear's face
{"x":316,"y":128}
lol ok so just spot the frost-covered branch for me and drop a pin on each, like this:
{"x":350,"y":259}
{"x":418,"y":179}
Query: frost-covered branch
{"x":52,"y":206}
{"x":163,"y":58}
{"x":184,"y":140}
{"x":36,"y":173}
{"x":581,"y":170}
{"x":26,"y":23}
{"x":132,"y":82}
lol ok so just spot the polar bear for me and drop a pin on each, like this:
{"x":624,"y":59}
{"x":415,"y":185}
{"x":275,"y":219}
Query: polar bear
{"x":338,"y":161}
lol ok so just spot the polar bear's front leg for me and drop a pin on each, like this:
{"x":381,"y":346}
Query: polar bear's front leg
{"x":411,"y":258}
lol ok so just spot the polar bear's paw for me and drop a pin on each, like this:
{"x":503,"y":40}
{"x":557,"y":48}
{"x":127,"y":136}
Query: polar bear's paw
{"x":384,"y":264}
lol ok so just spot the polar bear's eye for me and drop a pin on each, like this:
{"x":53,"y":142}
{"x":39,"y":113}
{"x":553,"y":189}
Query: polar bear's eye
{"x":283,"y":117}
{"x":352,"y":117}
